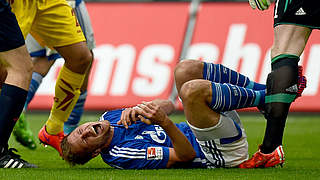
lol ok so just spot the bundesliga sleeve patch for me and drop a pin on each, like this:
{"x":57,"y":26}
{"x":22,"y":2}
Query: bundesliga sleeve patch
{"x":154,"y":153}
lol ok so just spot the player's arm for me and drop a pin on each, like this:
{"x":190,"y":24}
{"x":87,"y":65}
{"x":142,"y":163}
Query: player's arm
{"x":182,"y":151}
{"x":166,"y":105}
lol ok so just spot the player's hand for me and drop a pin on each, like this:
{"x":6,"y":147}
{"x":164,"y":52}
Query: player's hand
{"x":129,"y":116}
{"x":152,"y":114}
{"x":259,"y":4}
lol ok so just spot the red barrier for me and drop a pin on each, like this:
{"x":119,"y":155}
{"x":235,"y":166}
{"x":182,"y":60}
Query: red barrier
{"x":138,"y":45}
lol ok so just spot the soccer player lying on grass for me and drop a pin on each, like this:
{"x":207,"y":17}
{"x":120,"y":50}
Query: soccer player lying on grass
{"x":143,"y":137}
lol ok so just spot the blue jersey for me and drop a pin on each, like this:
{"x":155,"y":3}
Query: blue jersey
{"x":143,"y":146}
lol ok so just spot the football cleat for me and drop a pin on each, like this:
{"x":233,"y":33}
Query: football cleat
{"x":51,"y":140}
{"x":9,"y":159}
{"x":277,"y":158}
{"x":261,"y":160}
{"x":23,"y":133}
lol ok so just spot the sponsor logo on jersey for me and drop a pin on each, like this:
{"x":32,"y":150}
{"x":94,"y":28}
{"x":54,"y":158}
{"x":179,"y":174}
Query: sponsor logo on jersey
{"x":154,"y":153}
{"x":158,"y":135}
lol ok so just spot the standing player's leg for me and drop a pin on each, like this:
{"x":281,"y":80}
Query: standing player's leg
{"x":14,"y":91}
{"x":73,"y":48}
{"x":85,"y":23}
{"x":282,"y":89}
{"x":293,"y":23}
{"x":43,"y":58}
{"x":289,"y":43}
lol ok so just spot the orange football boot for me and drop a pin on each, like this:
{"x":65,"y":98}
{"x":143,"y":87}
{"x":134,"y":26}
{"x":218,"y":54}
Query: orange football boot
{"x":51,"y":140}
{"x":261,"y":160}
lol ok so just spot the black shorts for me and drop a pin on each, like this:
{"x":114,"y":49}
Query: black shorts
{"x":298,"y":12}
{"x":10,"y":34}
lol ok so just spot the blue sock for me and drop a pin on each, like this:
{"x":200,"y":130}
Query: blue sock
{"x":227,"y":97}
{"x":34,"y":85}
{"x":221,"y":74}
{"x":75,"y":115}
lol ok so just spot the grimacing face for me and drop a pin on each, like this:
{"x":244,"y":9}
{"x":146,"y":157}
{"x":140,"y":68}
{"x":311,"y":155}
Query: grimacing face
{"x":90,"y":137}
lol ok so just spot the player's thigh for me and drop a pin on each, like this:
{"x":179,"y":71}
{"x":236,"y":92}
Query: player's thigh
{"x":85,"y":23}
{"x":289,"y":39}
{"x":56,"y":25}
{"x":293,"y":22}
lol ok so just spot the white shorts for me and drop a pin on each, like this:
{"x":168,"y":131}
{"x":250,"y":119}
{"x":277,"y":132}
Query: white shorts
{"x":36,"y":50}
{"x":225,"y":144}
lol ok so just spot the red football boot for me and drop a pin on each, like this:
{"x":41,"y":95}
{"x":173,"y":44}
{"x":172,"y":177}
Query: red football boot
{"x":261,"y":160}
{"x":276,"y":158}
{"x":51,"y":140}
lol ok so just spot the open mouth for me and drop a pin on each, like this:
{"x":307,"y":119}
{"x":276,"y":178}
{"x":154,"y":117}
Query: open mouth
{"x":96,"y":129}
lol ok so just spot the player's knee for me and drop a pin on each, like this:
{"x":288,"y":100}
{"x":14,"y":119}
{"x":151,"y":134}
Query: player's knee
{"x":183,"y":68}
{"x":194,"y":90}
{"x":83,"y":62}
{"x":186,"y":70}
{"x":87,"y":59}
{"x":284,"y":76}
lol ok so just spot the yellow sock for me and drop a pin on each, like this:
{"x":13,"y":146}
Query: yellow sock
{"x":67,"y":92}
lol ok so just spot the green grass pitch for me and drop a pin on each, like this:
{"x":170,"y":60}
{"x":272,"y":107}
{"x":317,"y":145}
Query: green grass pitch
{"x":301,"y":146}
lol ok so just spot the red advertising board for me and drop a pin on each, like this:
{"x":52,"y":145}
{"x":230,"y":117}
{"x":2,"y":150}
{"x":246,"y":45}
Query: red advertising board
{"x":138,"y":45}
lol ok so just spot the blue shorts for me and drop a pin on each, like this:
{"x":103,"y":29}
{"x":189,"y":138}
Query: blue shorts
{"x":10,"y":33}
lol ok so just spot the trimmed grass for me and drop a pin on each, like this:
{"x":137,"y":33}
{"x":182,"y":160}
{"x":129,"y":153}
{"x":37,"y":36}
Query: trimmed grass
{"x":301,"y":146}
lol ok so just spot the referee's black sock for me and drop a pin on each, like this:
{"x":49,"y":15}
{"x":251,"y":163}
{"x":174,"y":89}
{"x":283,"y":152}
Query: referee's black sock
{"x":12,"y":100}
{"x":281,"y":91}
